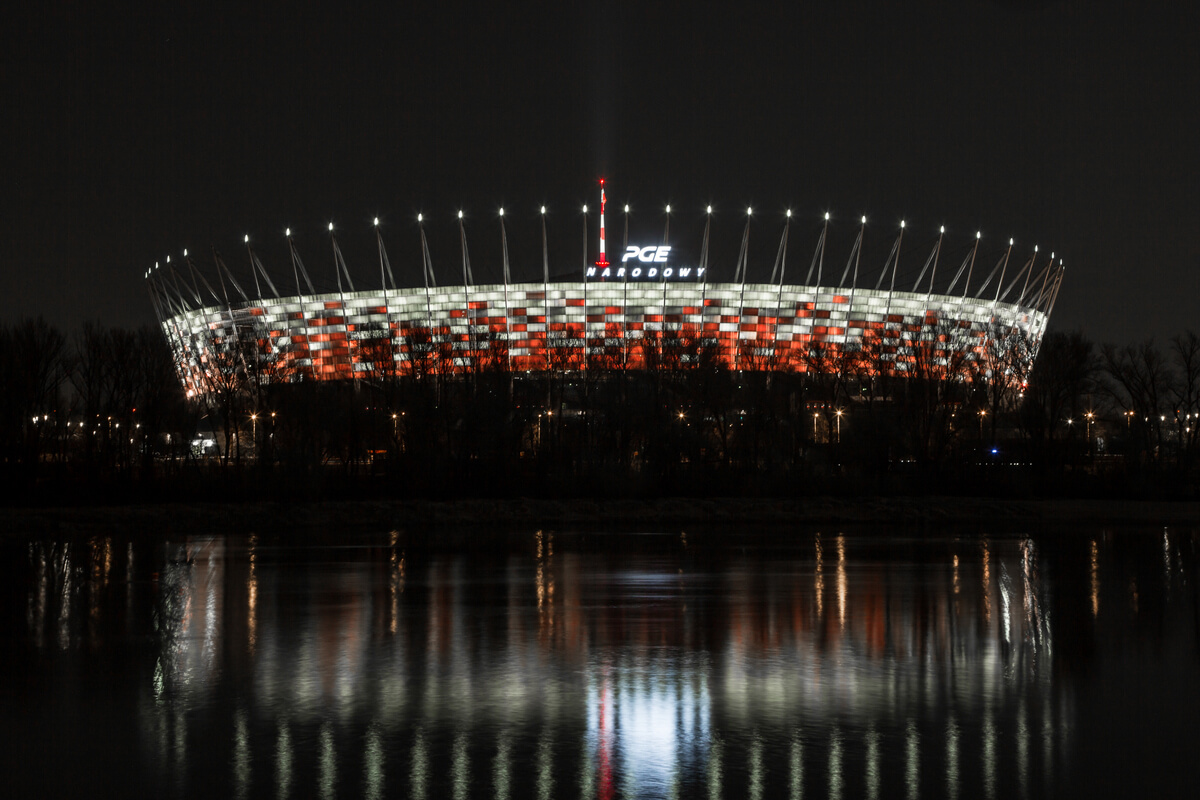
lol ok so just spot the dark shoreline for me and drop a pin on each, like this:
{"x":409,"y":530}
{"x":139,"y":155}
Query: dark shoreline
{"x":332,"y":516}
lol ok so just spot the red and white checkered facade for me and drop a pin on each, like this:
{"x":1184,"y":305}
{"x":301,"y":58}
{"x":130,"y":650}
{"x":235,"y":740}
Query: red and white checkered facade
{"x":576,"y":325}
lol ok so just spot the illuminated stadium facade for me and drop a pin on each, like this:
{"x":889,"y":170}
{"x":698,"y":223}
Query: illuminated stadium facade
{"x":643,"y":312}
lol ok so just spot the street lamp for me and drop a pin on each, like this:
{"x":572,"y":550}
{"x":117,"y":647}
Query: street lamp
{"x":982,"y":414}
{"x":1089,"y":416}
{"x":814,"y":426}
{"x":838,"y":414}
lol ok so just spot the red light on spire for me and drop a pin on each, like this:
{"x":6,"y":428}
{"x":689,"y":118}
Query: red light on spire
{"x":603,"y":262}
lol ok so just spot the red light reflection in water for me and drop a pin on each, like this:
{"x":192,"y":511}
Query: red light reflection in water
{"x":606,"y":739}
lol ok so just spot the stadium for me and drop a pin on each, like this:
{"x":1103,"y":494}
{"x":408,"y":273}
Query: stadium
{"x":645,"y":310}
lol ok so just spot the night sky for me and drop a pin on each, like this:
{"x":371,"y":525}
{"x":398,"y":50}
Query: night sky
{"x":1071,"y":125}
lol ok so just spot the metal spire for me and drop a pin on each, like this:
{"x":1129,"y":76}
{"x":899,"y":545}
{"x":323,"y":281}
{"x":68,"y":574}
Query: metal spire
{"x":384,"y":263}
{"x":426,"y":258}
{"x":339,"y":263}
{"x":739,"y":270}
{"x":854,"y":257}
{"x":257,"y":267}
{"x":932,"y":259}
{"x":818,"y":258}
{"x":504,"y":249}
{"x":781,"y":253}
{"x":298,"y":266}
{"x":968,"y":259}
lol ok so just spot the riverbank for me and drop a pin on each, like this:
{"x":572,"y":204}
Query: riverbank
{"x":987,"y":514}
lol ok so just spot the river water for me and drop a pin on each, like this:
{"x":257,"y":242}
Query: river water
{"x":557,"y":663}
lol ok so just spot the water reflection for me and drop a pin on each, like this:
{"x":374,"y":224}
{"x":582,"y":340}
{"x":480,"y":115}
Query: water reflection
{"x":241,"y":755}
{"x":796,"y":768}
{"x":283,"y":762}
{"x":373,"y":767}
{"x":603,"y":666}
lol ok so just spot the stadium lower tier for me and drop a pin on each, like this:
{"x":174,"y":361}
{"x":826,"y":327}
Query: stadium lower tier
{"x":535,"y":326}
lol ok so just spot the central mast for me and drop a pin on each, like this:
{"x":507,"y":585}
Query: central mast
{"x":603,"y":262}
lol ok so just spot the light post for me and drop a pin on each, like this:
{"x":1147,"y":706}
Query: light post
{"x":838,"y":414}
{"x":1089,"y":416}
{"x":982,"y":414}
{"x":254,"y":428}
{"x":814,"y":426}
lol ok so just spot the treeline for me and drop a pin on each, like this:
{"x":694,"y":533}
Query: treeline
{"x":87,"y":411}
{"x":102,"y":416}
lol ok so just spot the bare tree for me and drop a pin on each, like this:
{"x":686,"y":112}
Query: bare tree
{"x":33,"y":369}
{"x":90,"y":374}
{"x":161,"y":408}
{"x":934,"y":360}
{"x":418,"y":345}
{"x":1140,"y":378}
{"x":1001,"y":368}
{"x":225,"y":379}
{"x":1185,"y":350}
{"x":1062,"y":376}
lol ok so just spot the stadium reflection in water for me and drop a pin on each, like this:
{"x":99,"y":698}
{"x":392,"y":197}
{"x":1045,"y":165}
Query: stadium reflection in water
{"x":598,"y":665}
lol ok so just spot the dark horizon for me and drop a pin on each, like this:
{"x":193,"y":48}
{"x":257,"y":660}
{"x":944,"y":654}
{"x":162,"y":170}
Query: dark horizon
{"x":1060,"y":124}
